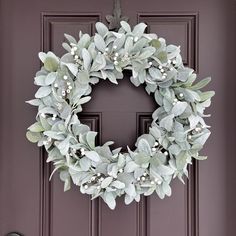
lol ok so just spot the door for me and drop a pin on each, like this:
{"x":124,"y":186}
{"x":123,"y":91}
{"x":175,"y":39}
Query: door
{"x":32,"y":206}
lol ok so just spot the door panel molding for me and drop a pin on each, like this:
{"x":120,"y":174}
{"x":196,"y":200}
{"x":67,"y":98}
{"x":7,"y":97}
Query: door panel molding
{"x":51,"y":22}
{"x":144,"y":121}
{"x":181,"y":26}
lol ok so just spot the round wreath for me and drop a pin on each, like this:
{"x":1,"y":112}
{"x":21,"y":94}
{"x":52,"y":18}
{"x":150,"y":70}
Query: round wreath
{"x":177,"y":133}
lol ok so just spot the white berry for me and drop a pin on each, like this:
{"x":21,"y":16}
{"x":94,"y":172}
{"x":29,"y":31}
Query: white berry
{"x":154,"y":149}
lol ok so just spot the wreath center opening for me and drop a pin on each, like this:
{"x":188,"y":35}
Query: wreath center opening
{"x":121,"y":107}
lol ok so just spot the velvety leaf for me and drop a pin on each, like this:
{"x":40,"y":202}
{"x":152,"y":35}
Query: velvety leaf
{"x":33,"y":136}
{"x":43,"y":92}
{"x":167,"y":122}
{"x":92,"y":155}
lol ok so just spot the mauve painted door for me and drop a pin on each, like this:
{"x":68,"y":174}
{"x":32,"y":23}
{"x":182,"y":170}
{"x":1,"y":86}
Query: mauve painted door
{"x":32,"y":206}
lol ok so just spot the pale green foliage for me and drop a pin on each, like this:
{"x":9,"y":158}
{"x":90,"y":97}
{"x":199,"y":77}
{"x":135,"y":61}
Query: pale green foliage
{"x":177,"y":133}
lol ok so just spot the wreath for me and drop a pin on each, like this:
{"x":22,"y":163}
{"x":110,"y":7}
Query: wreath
{"x":177,"y":132}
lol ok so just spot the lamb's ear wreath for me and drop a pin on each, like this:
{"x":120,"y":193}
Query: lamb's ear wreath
{"x":177,"y":133}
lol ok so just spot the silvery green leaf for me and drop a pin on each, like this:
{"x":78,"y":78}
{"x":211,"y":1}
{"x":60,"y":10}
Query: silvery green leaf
{"x":91,"y":135}
{"x":80,"y":129}
{"x":34,"y":102}
{"x":50,"y":78}
{"x":139,"y":29}
{"x":40,"y":80}
{"x":54,"y":154}
{"x":33,"y":136}
{"x":201,"y":84}
{"x":84,"y":100}
{"x":43,"y":92}
{"x":138,"y":172}
{"x":67,"y":58}
{"x":85,"y":163}
{"x":101,"y":29}
{"x":155,"y":43}
{"x":44,"y":123}
{"x":155,"y":73}
{"x":174,"y":149}
{"x":99,"y":43}
{"x":66,"y":46}
{"x":92,"y":155}
{"x":36,"y":127}
{"x":98,"y":63}
{"x":146,"y":53}
{"x":167,"y":122}
{"x":64,"y":146}
{"x":148,"y":137}
{"x":118,"y":184}
{"x":110,"y":200}
{"x":162,"y":56}
{"x":125,"y":26}
{"x":84,"y":41}
{"x":83,"y":77}
{"x":150,"y":190}
{"x":184,"y":73}
{"x":130,"y":167}
{"x":111,"y":77}
{"x":166,"y":83}
{"x":42,"y":56}
{"x":191,"y":96}
{"x":86,"y":58}
{"x":206,"y":95}
{"x":181,"y":160}
{"x":130,"y":190}
{"x":135,"y":81}
{"x":142,"y":160}
{"x":159,"y":192}
{"x":203,"y":138}
{"x":179,"y":108}
{"x":158,"y":97}
{"x":73,"y":68}
{"x":128,"y":44}
{"x":119,"y":42}
{"x":106,"y":182}
{"x":65,"y":177}
{"x":112,"y":170}
{"x":200,"y":158}
{"x":193,"y":120}
{"x":50,"y":64}
{"x":166,"y":189}
{"x":167,"y":105}
{"x":70,"y":38}
{"x":54,"y":135}
{"x":155,"y":132}
{"x":128,"y":199}
{"x":137,"y":47}
{"x":126,"y":178}
{"x":67,"y":184}
{"x":143,"y":146}
{"x":164,"y":170}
